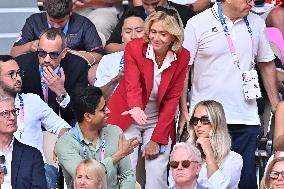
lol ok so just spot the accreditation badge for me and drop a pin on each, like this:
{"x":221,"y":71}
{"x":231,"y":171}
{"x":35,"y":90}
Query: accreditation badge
{"x":251,"y":86}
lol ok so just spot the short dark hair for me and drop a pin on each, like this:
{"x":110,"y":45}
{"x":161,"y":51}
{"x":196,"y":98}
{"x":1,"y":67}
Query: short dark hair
{"x":85,"y":100}
{"x":58,"y":8}
{"x":5,"y":58}
{"x":51,"y":34}
{"x":134,"y":12}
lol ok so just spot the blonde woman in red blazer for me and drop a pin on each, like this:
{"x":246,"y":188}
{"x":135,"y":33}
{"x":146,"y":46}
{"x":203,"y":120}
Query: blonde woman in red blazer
{"x":146,"y":99}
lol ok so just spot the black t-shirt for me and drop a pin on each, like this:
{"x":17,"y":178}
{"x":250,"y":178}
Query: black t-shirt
{"x":81,"y":33}
{"x":184,"y":11}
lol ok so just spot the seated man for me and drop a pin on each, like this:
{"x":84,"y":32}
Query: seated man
{"x":80,"y":32}
{"x":52,"y":73}
{"x":33,"y":112}
{"x":22,"y":164}
{"x":115,"y":43}
{"x":185,"y":164}
{"x":110,"y":68}
{"x":91,"y":138}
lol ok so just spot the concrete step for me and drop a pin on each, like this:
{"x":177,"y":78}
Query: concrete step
{"x":6,"y":42}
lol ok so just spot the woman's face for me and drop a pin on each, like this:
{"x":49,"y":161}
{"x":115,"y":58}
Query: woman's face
{"x":278,"y":183}
{"x":160,"y":38}
{"x":202,"y":125}
{"x":82,"y":180}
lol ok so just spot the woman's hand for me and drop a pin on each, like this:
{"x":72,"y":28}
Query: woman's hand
{"x":137,"y":114}
{"x":151,"y":151}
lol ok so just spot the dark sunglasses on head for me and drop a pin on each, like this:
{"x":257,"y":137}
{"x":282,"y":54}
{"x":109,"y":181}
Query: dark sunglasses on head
{"x":170,"y":12}
{"x":52,"y":55}
{"x":275,"y":174}
{"x":3,"y":168}
{"x":184,"y":163}
{"x":203,"y":120}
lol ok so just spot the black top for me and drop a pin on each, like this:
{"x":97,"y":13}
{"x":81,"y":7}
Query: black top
{"x":81,"y":33}
{"x":76,"y":72}
{"x":184,"y":11}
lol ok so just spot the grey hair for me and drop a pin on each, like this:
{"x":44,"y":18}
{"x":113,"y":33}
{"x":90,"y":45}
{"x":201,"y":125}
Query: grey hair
{"x":51,"y":34}
{"x":190,"y":148}
{"x":6,"y":98}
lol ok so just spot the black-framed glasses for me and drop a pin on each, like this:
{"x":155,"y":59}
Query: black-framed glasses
{"x":7,"y":113}
{"x":3,"y":168}
{"x":275,"y":174}
{"x":13,"y":74}
{"x":52,"y":55}
{"x":204,"y":120}
{"x":184,"y":163}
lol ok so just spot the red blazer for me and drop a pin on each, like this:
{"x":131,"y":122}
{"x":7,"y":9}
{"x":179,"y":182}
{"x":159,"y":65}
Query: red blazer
{"x":135,"y":87}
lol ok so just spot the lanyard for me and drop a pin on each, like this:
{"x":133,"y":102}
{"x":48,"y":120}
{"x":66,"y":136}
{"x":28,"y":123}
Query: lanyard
{"x":21,"y":114}
{"x":65,"y":29}
{"x":102,"y":147}
{"x":121,"y":64}
{"x":43,"y":85}
{"x":229,"y":39}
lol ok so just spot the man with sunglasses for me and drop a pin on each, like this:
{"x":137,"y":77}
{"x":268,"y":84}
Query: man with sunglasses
{"x":226,"y":42}
{"x":53,"y":73}
{"x":22,"y":165}
{"x":185,"y":164}
{"x":33,"y":112}
{"x":115,"y":43}
{"x":82,"y":36}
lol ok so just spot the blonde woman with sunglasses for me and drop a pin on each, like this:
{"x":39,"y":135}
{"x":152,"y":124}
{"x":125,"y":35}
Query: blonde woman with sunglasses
{"x":221,"y":167}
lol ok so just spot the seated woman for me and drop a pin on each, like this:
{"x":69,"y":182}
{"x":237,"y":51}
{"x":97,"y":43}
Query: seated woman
{"x":146,"y":99}
{"x":274,"y":175}
{"x":90,"y":174}
{"x":208,"y":130}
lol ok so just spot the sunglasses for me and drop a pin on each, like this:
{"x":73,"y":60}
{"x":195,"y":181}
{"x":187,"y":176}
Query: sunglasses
{"x":52,"y":55}
{"x":204,"y":120}
{"x":275,"y":174}
{"x":170,"y":12}
{"x":3,"y":168}
{"x":184,"y":163}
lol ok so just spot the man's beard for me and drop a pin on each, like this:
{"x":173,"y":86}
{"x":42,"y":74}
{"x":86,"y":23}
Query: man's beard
{"x":11,"y":91}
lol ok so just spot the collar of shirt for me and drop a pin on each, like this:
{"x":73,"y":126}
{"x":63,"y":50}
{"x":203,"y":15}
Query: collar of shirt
{"x":170,"y":57}
{"x":215,"y":10}
{"x":87,"y":142}
{"x":8,"y":157}
{"x":9,"y":149}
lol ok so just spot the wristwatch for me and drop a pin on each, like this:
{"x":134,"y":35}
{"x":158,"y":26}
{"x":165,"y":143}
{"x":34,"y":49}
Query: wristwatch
{"x":61,"y":97}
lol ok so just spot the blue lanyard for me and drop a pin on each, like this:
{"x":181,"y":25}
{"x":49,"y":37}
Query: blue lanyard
{"x":228,"y":36}
{"x":121,"y":64}
{"x":65,"y":29}
{"x":22,"y":115}
{"x":102,"y":147}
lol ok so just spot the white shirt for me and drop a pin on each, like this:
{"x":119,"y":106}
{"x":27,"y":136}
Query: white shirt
{"x":184,"y":2}
{"x":36,"y":114}
{"x":8,"y":163}
{"x":226,"y":177}
{"x":108,"y":68}
{"x":152,"y":106}
{"x":214,"y":75}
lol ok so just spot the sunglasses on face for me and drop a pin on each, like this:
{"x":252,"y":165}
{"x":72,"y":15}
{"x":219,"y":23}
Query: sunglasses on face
{"x":204,"y":120}
{"x":275,"y":174}
{"x":52,"y":55}
{"x":184,"y":163}
{"x":3,"y":168}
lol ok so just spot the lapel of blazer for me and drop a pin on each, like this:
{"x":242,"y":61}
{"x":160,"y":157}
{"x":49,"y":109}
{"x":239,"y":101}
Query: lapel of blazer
{"x":16,"y":161}
{"x":166,"y":77}
{"x":148,"y":71}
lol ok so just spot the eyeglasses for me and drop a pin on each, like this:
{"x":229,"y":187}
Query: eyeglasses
{"x":13,"y":74}
{"x":52,"y":55}
{"x":7,"y":113}
{"x":248,"y":1}
{"x":170,"y":12}
{"x":275,"y":174}
{"x":3,"y":168}
{"x":184,"y":163}
{"x":203,"y":120}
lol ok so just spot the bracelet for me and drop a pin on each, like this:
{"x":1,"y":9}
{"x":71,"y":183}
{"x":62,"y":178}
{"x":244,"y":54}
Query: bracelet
{"x":78,"y":54}
{"x":94,"y":59}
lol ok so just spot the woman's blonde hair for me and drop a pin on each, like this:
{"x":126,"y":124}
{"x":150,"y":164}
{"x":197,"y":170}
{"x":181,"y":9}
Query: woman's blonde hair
{"x":219,"y":135}
{"x":265,"y":181}
{"x":94,"y":170}
{"x":171,"y":22}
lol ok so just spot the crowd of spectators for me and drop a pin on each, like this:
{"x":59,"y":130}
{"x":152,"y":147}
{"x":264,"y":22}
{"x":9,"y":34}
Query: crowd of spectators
{"x":115,"y":80}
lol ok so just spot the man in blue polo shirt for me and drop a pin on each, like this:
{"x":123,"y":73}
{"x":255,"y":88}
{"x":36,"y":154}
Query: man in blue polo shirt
{"x":80,"y":32}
